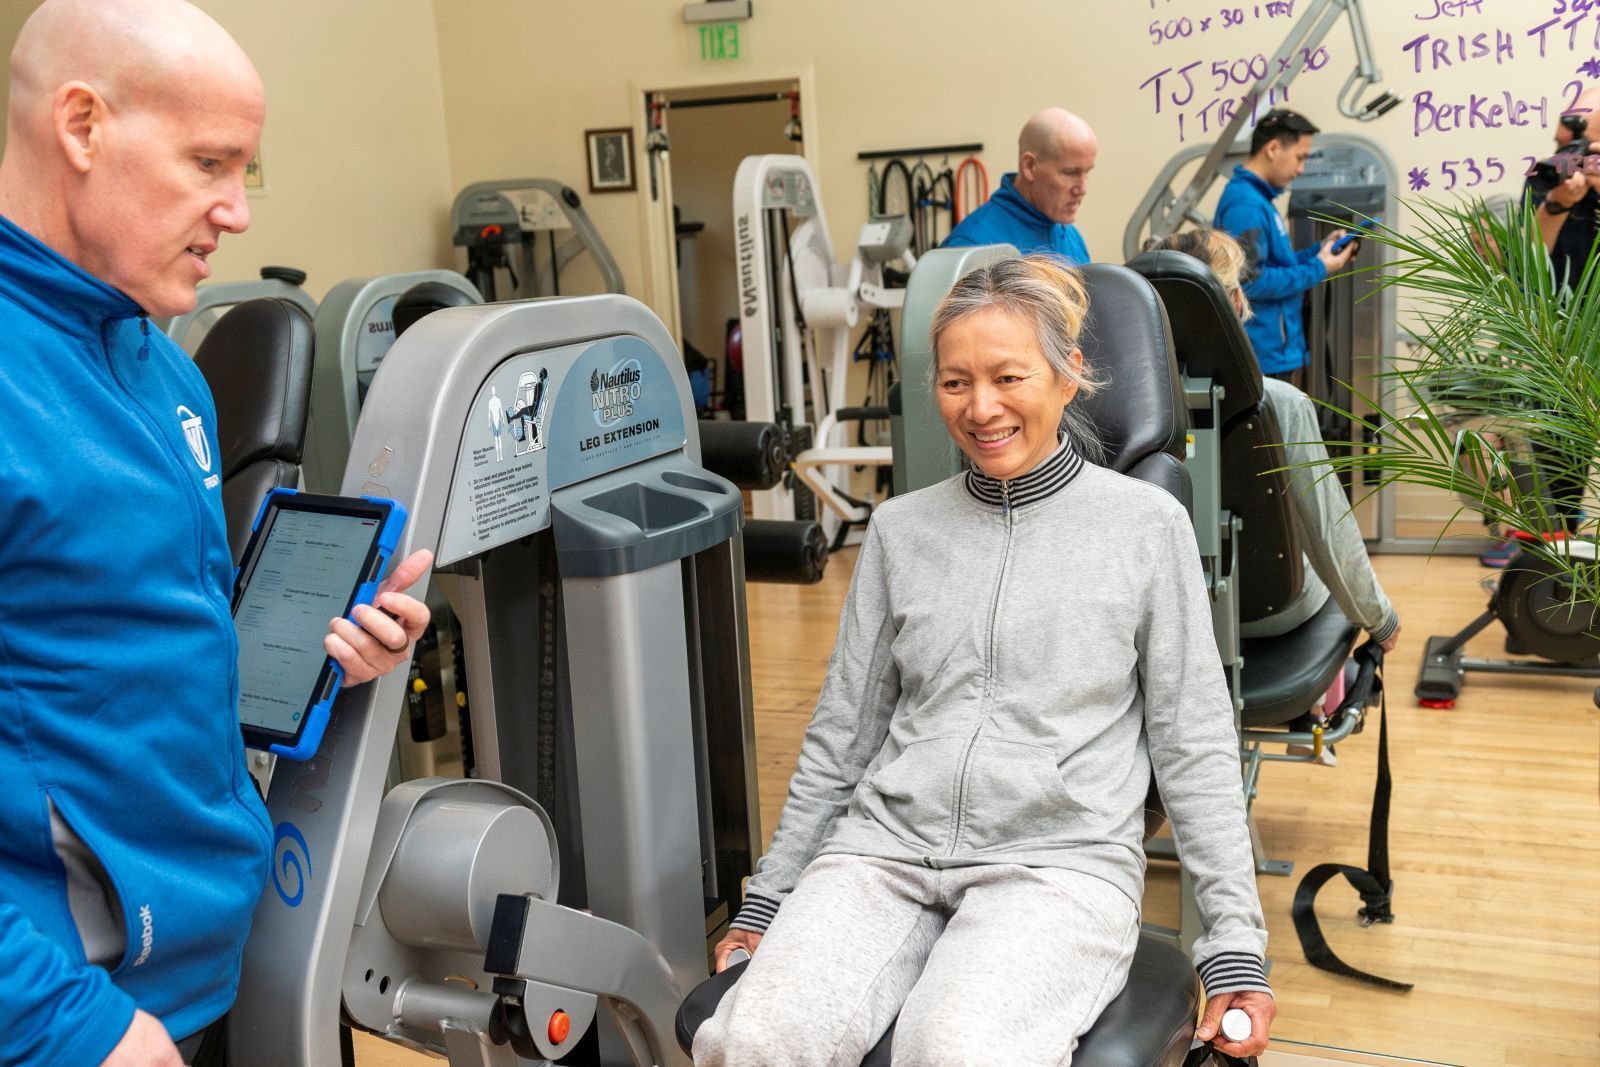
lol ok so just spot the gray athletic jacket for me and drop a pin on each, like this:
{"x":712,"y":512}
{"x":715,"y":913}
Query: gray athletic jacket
{"x":1012,"y":659}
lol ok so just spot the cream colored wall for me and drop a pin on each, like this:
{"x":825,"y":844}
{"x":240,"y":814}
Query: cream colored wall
{"x":356,"y":163}
{"x":380,"y":109}
{"x":354,"y":151}
{"x":12,"y":16}
{"x":909,"y":72}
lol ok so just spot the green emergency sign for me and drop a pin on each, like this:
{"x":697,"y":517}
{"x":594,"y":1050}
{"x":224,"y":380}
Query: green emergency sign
{"x":719,"y":41}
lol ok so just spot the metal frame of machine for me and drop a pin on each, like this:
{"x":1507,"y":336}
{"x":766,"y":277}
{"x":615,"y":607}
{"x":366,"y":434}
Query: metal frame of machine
{"x":598,"y":583}
{"x":355,"y":330}
{"x":496,"y":220}
{"x":797,"y":308}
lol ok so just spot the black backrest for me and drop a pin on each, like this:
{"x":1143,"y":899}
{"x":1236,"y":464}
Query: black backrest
{"x":1256,"y":489}
{"x":1211,"y":340}
{"x":1141,"y":415}
{"x":1211,"y":343}
{"x":257,"y":360}
{"x":425,"y":298}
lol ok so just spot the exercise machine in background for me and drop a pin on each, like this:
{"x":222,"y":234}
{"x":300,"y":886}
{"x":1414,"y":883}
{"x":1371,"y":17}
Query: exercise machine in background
{"x":357,"y":324}
{"x":531,"y":230}
{"x":1348,"y":182}
{"x":1543,"y":617}
{"x":213,"y":301}
{"x":797,"y":309}
{"x":575,"y":884}
{"x":1547,"y":621}
{"x":355,"y":330}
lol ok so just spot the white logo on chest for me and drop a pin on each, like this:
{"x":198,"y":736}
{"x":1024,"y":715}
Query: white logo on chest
{"x":194,"y":432}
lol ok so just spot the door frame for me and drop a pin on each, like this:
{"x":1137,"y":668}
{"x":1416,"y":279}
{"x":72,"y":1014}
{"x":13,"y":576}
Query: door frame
{"x":660,"y":263}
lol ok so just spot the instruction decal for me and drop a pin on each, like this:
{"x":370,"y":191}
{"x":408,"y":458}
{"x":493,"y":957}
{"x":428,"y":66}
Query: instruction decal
{"x":547,"y":419}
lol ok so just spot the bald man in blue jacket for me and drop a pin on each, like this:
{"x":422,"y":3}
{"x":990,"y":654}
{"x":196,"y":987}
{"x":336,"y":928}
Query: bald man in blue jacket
{"x":1036,"y":205}
{"x":133,"y":845}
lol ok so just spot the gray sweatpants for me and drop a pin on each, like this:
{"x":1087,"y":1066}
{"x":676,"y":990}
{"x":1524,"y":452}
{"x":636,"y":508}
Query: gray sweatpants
{"x":983,"y":965}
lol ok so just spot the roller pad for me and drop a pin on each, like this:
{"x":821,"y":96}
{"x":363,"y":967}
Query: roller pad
{"x":795,"y":553}
{"x":751,"y":455}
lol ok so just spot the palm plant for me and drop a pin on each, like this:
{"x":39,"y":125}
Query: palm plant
{"x":1503,"y":385}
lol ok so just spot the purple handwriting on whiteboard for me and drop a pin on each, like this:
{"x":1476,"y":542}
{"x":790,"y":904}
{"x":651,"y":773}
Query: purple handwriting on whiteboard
{"x":1432,"y":52}
{"x":1196,"y":91}
{"x":1451,"y":9}
{"x":1429,"y":52}
{"x":1184,"y":27}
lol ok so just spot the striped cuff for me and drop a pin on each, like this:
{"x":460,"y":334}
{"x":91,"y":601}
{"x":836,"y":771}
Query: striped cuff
{"x":1386,"y":628}
{"x":755,"y":914}
{"x":1233,"y":972}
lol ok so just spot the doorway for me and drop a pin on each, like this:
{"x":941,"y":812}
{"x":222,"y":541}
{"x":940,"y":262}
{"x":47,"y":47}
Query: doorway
{"x":696,"y":138}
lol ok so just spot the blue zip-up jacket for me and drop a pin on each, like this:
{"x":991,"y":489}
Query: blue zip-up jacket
{"x":1007,"y":218}
{"x":1281,"y":276}
{"x":118,"y":671}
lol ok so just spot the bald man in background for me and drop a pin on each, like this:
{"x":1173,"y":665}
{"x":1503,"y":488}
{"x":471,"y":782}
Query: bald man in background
{"x":133,"y":846}
{"x":1035,"y":206}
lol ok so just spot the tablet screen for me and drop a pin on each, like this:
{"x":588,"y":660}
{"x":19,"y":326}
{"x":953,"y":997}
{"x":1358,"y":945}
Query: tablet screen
{"x":305,"y":573}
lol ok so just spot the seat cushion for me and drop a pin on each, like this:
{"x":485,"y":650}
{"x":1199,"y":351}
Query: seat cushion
{"x":1149,"y":1024}
{"x":1284,"y":676}
{"x":257,"y":360}
{"x":1211,"y":342}
{"x":1127,"y":340}
{"x":1257,"y":490}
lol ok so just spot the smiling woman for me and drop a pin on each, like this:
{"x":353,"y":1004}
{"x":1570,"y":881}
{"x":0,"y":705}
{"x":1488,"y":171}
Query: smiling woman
{"x":1021,"y":648}
{"x":1007,"y":365}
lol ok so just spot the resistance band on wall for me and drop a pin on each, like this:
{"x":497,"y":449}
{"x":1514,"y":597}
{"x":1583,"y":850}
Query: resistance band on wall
{"x":971,"y":187}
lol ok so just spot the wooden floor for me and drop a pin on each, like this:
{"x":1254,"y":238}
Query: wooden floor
{"x":1495,"y":844}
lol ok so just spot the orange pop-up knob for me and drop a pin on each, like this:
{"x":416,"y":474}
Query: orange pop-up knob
{"x":560,"y":1027}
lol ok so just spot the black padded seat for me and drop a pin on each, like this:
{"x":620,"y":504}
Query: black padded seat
{"x":1210,"y":342}
{"x":1142,"y":418}
{"x":424,"y":299}
{"x":1149,"y":1024}
{"x":1284,"y":676}
{"x":1211,"y":339}
{"x":257,"y":360}
{"x":1256,"y":489}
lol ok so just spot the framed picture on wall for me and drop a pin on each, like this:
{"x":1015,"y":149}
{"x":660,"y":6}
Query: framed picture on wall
{"x":610,"y":160}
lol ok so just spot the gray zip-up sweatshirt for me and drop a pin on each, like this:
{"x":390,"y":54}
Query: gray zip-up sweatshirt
{"x":1012,"y":659}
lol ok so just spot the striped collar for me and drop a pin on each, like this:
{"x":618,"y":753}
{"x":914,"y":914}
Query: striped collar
{"x":1044,"y":481}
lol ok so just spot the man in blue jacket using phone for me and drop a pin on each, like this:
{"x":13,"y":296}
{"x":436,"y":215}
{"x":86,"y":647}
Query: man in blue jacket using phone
{"x":133,"y":845}
{"x":1282,"y":276}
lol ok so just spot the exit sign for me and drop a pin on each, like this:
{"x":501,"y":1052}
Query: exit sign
{"x":719,"y":41}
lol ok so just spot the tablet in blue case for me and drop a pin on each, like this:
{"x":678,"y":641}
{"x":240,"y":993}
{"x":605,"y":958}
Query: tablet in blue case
{"x":310,"y":558}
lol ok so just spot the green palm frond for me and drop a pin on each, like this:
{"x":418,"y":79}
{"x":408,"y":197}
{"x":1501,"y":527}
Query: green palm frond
{"x":1503,"y":388}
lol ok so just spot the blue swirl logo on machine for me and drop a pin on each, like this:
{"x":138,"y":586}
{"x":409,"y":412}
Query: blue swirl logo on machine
{"x":291,"y":863}
{"x":613,"y":393}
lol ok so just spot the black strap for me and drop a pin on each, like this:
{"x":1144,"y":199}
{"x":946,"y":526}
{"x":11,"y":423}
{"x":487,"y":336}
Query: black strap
{"x":1205,"y":1054}
{"x":1373,"y":882}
